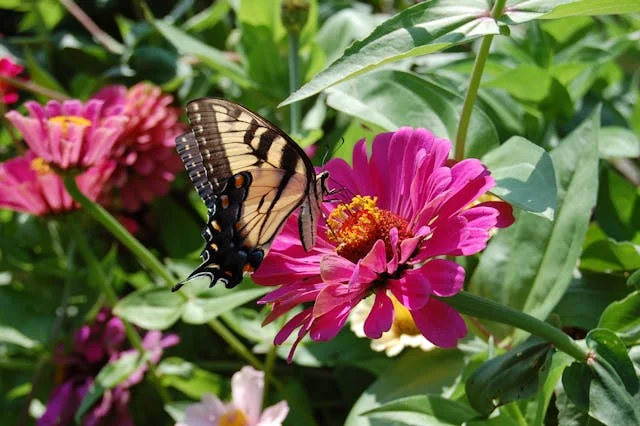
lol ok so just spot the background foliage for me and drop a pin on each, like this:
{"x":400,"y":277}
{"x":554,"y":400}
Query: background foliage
{"x":557,"y":121}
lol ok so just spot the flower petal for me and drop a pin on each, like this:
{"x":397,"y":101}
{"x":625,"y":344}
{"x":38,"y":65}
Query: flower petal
{"x":274,"y":415}
{"x":413,"y":290}
{"x":247,"y":387}
{"x":440,"y":323}
{"x":380,"y":317}
{"x":446,"y":277}
{"x":336,"y":269}
{"x":328,"y":325}
{"x":376,"y":259}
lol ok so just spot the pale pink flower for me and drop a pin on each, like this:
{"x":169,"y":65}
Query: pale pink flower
{"x":245,"y":408}
{"x":29,"y":185}
{"x":145,"y":152}
{"x":71,"y":134}
{"x":410,"y":207}
{"x":8,"y":68}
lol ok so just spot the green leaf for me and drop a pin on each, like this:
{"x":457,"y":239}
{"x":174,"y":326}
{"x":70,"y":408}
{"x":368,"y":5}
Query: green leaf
{"x":618,"y":142}
{"x":608,"y":255}
{"x":180,"y":230}
{"x":623,"y":317}
{"x":609,"y":348}
{"x":41,"y":76}
{"x":606,"y":387}
{"x":520,"y":11}
{"x":524,"y":176}
{"x":593,"y":7}
{"x":517,"y":82}
{"x":559,"y":362}
{"x":529,"y":265}
{"x":15,"y":337}
{"x":634,"y":280}
{"x":109,"y":377}
{"x":429,"y":409}
{"x":418,"y":30}
{"x":206,"y":304}
{"x":176,"y":409}
{"x":188,"y":378}
{"x":374,"y":99}
{"x":214,"y":58}
{"x":618,"y":208}
{"x":400,"y":380}
{"x":587,"y":297}
{"x":152,"y":308}
{"x":510,"y":377}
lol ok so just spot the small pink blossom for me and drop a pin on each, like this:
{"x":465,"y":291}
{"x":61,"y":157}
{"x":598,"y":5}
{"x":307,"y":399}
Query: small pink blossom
{"x":145,"y":152}
{"x":71,"y":134}
{"x":410,"y":209}
{"x":245,"y":408}
{"x":8,"y":68}
{"x":29,"y":185}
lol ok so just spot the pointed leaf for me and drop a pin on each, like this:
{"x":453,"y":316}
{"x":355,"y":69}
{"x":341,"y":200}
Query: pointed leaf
{"x":152,"y":309}
{"x":524,"y":176}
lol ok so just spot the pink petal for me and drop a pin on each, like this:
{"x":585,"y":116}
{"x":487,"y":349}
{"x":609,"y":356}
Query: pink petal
{"x":376,"y":259}
{"x":380,"y":317}
{"x":440,"y":323}
{"x":274,"y":415}
{"x":413,"y":290}
{"x":247,"y":386}
{"x":327,"y":326}
{"x":446,"y":277}
{"x":505,"y":212}
{"x":291,"y":325}
{"x":336,"y":269}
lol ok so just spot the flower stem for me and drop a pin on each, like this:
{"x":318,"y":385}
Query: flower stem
{"x":476,"y":306}
{"x":294,"y":79}
{"x":474,"y":85}
{"x":32,"y":87}
{"x":132,"y":334}
{"x":119,"y":231}
{"x":108,"y":42}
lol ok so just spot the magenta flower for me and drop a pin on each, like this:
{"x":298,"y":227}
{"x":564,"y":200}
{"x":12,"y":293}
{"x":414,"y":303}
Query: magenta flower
{"x":8,"y":68}
{"x":410,"y":207}
{"x":69,"y":135}
{"x":93,"y":347}
{"x":145,"y":152}
{"x":245,"y":409}
{"x":29,"y":185}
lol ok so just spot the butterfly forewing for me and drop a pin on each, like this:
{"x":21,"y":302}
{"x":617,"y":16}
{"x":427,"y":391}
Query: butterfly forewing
{"x":257,"y":177}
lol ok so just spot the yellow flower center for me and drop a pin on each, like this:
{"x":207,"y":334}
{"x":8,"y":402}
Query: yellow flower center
{"x":402,"y":320}
{"x":40,"y":166}
{"x":236,"y":417}
{"x":356,"y":226}
{"x":65,"y":120}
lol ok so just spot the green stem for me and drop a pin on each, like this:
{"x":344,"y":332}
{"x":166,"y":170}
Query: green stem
{"x":110,"y":294}
{"x":32,"y":87}
{"x":119,"y":231}
{"x":479,"y":307}
{"x":474,"y":85}
{"x":269,"y":363}
{"x":294,"y":79}
{"x":514,"y":411}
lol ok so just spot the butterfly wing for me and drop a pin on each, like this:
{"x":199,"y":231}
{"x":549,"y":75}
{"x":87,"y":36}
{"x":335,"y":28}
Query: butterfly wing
{"x":257,"y":177}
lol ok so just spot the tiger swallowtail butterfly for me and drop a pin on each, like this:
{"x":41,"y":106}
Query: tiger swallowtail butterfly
{"x":252,"y":176}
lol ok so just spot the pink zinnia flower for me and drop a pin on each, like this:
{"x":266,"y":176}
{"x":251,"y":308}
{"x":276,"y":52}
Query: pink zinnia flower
{"x":71,"y":134}
{"x":410,"y":208}
{"x":29,"y":185}
{"x":8,"y":68}
{"x":245,"y":409}
{"x":145,"y":152}
{"x":93,"y":347}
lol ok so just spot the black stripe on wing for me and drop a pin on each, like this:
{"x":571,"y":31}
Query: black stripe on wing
{"x":189,"y":153}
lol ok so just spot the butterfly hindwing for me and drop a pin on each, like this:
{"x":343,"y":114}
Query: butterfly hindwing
{"x":257,"y":176}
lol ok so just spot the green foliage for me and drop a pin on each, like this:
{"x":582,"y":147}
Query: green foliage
{"x":556,"y":121}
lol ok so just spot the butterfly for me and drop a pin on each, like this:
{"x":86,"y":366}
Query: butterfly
{"x":252,"y":176}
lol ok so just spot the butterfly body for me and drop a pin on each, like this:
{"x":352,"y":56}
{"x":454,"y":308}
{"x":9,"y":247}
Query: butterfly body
{"x":252,"y":177}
